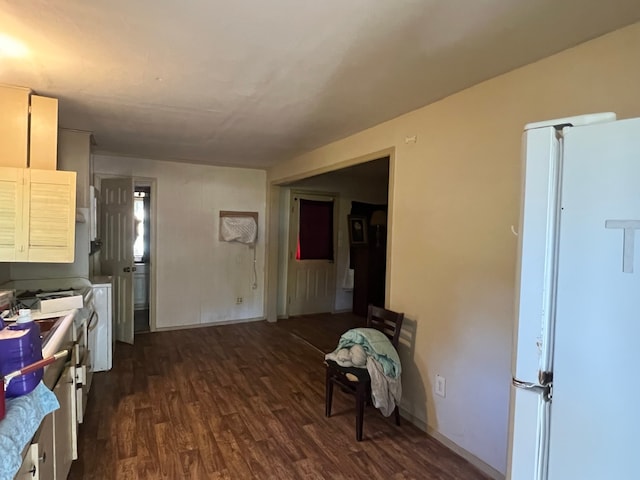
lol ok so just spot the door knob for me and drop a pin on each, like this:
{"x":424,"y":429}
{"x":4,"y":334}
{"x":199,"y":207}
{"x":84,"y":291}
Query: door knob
{"x":126,"y":269}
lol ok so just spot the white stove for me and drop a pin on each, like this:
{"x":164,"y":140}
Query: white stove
{"x":49,"y":284}
{"x":95,"y":310}
{"x":46,"y":304}
{"x":50,"y":298}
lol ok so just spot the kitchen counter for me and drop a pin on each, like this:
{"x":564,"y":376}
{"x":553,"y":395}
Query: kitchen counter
{"x":28,"y":411}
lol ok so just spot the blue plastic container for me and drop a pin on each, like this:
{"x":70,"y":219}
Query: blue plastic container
{"x":18,"y":352}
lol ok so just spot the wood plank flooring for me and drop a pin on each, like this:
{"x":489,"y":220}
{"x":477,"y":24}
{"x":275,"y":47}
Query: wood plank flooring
{"x":321,"y":330}
{"x":240,"y":402}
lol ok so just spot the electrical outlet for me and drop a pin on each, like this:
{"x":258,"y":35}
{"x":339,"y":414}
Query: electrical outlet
{"x":441,"y":386}
{"x":239,"y":300}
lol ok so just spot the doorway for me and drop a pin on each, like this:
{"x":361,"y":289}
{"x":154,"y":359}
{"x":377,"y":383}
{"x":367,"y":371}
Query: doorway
{"x":141,"y":255}
{"x":312,"y":246}
{"x":128,"y":226}
{"x":360,"y":266}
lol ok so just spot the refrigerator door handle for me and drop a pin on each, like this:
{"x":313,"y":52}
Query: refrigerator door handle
{"x":545,"y":390}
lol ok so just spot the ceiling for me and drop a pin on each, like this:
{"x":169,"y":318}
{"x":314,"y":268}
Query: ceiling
{"x":250,"y":82}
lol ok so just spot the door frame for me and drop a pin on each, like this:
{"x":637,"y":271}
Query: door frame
{"x":275,"y":227}
{"x":292,"y":231}
{"x":153,"y":183}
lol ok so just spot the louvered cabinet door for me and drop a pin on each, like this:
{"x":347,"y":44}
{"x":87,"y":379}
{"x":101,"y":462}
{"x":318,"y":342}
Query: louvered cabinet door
{"x":50,"y":215}
{"x":11,"y":213}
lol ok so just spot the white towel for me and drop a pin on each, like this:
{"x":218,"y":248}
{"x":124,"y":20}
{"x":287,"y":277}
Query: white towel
{"x":386,"y":391}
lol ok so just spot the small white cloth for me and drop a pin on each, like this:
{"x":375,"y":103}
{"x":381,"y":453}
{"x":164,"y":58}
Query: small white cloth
{"x":386,"y":391}
{"x":22,"y":419}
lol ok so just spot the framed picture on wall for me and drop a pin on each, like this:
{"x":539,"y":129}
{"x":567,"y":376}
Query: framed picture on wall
{"x":357,"y":230}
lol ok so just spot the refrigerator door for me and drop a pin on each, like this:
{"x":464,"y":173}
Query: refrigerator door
{"x":537,"y":253}
{"x":535,"y":281}
{"x":595,"y":418}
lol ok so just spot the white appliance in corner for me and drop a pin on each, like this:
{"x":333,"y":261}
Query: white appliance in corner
{"x":101,"y":341}
{"x":575,"y":404}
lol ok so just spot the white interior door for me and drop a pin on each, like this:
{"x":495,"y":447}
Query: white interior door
{"x":117,"y":251}
{"x":595,"y":417}
{"x":311,"y":283}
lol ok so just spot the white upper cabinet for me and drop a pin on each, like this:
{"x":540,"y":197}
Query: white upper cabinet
{"x":28,"y":129}
{"x":43,"y":133}
{"x":14,"y":126}
{"x":37,"y":215}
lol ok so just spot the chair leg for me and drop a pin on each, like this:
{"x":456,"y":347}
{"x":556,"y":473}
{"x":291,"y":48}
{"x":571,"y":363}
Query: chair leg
{"x":361,"y":394}
{"x":328,"y":395}
{"x":397,"y":413}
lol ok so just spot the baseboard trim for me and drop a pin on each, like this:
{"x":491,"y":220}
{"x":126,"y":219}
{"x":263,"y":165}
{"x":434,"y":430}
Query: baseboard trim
{"x":209,"y":324}
{"x":468,"y":456}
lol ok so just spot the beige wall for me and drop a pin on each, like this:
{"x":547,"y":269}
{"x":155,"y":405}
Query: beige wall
{"x":455,"y":197}
{"x":198,"y":277}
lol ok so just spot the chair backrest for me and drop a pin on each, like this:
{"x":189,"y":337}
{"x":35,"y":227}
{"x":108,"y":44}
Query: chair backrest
{"x":387,"y":321}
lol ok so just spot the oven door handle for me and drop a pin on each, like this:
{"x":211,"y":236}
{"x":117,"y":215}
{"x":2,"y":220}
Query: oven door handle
{"x":92,"y":322}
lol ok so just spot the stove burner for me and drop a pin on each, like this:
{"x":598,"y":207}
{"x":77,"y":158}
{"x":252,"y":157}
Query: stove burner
{"x":35,"y":293}
{"x":16,"y":307}
{"x":31,"y":298}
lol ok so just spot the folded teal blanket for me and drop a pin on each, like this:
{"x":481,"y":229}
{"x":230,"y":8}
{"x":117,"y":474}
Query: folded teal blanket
{"x":376,"y":344}
{"x":21,"y":421}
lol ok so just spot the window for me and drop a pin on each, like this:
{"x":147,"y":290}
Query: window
{"x":315,"y":231}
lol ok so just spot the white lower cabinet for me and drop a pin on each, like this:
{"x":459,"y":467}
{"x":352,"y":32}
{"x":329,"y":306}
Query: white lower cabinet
{"x":38,"y":463}
{"x":55,"y":445}
{"x":64,"y":425}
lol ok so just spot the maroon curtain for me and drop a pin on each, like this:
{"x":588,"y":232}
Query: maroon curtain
{"x":315,"y":238}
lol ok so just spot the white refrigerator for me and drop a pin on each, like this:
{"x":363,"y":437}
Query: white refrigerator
{"x":575,"y":400}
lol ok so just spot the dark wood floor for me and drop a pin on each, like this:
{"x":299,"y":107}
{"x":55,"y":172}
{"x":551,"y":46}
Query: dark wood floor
{"x":240,"y":402}
{"x":321,"y":331}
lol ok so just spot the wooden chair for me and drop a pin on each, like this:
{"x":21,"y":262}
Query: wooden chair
{"x":357,"y":380}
